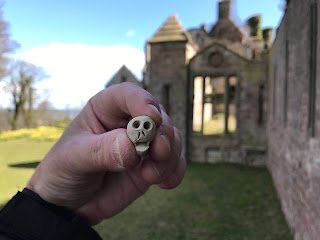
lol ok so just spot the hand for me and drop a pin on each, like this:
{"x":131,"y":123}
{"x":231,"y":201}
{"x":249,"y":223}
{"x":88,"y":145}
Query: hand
{"x":94,"y":168}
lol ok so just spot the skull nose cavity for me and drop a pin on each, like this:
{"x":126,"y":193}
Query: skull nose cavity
{"x":141,"y":134}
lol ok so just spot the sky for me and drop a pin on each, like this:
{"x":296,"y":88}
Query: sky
{"x":81,"y":44}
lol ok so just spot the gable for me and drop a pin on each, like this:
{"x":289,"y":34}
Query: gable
{"x":123,"y":75}
{"x":217,"y":57}
{"x":171,"y":31}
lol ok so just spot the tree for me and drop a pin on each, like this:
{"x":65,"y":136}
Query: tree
{"x":43,"y":112}
{"x":22,"y":79}
{"x":6,"y":45}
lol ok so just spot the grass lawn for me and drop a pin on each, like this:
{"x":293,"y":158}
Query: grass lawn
{"x":18,"y":159}
{"x":221,"y":201}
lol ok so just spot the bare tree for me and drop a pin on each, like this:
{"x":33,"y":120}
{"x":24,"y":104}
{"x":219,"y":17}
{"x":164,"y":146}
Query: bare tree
{"x":22,"y":79}
{"x":43,"y":113}
{"x":6,"y":45}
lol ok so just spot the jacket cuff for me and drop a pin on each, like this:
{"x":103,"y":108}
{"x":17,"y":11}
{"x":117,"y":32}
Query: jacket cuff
{"x":27,"y":216}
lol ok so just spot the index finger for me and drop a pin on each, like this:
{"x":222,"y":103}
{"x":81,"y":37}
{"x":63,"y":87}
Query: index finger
{"x":116,"y":105}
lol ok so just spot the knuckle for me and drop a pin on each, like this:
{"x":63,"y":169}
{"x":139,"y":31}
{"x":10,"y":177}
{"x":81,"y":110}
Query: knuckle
{"x":95,"y":152}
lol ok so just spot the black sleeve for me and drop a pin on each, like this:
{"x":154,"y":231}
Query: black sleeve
{"x":28,"y":217}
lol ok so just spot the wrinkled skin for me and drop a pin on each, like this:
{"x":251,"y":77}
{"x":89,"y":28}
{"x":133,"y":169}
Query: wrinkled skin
{"x":94,"y":168}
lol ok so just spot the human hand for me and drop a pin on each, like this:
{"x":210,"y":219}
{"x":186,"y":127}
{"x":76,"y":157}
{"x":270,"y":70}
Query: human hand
{"x":94,"y":168}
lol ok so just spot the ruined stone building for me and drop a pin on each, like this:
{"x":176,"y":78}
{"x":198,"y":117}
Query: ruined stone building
{"x":248,"y":100}
{"x":294,"y":117}
{"x":213,"y":85}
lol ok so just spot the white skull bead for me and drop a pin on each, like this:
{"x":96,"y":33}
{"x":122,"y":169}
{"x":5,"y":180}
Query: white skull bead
{"x":141,"y":131}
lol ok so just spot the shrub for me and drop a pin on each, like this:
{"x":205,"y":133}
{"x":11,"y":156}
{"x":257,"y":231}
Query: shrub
{"x":43,"y":133}
{"x":62,"y":123}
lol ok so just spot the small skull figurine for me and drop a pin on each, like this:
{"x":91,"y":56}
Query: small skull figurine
{"x":141,"y":131}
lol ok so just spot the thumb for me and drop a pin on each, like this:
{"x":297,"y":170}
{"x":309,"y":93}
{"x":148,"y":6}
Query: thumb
{"x":110,"y":151}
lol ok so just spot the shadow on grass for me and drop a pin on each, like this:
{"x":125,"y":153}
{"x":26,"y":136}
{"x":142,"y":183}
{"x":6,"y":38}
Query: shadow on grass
{"x":2,"y":205}
{"x":25,"y":165}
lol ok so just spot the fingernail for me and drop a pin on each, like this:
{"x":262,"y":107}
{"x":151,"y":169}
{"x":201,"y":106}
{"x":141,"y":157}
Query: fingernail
{"x":161,"y":107}
{"x":155,"y":109}
{"x":166,"y":140}
{"x":116,"y":152}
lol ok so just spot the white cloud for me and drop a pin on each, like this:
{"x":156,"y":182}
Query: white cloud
{"x":78,"y":71}
{"x":131,"y":33}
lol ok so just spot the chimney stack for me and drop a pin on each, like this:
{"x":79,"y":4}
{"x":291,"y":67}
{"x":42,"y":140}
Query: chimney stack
{"x":267,"y":34}
{"x":204,"y":27}
{"x":254,"y":24}
{"x":224,"y":9}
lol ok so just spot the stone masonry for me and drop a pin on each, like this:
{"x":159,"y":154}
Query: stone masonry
{"x":294,"y":117}
{"x":175,"y":57}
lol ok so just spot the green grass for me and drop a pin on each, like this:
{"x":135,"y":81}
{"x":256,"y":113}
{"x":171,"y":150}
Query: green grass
{"x":216,"y":125}
{"x":221,"y":201}
{"x":15,"y":159}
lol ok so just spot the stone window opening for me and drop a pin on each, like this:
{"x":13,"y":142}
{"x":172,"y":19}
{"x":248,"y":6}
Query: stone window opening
{"x":253,"y":54}
{"x":123,"y":79}
{"x":166,"y":98}
{"x":260,"y":105}
{"x":313,"y":69}
{"x":214,"y":105}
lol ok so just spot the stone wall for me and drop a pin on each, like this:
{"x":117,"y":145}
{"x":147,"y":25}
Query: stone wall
{"x":248,"y":144}
{"x":293,"y":152}
{"x":167,"y":69}
{"x":173,"y":61}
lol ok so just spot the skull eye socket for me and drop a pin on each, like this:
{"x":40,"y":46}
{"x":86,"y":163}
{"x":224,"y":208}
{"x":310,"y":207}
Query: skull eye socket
{"x":136,"y":124}
{"x":147,"y":125}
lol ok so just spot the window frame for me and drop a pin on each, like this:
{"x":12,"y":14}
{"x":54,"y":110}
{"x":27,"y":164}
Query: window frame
{"x":226,"y":131}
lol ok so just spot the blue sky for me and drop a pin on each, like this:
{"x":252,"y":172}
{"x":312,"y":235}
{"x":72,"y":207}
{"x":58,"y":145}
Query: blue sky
{"x":78,"y":42}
